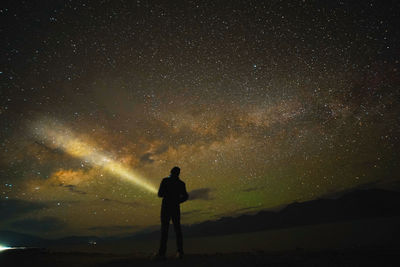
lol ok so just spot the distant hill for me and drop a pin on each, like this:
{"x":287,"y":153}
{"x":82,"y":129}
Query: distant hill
{"x":72,"y":240}
{"x":13,"y":239}
{"x":360,"y":204}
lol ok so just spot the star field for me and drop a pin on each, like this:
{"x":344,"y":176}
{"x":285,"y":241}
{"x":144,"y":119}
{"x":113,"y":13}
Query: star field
{"x":261,"y":103}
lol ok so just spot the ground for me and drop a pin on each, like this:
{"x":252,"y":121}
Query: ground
{"x":348,"y":257}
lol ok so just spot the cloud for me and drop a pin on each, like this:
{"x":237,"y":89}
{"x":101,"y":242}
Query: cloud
{"x":201,"y":193}
{"x":250,"y":189}
{"x":70,"y":177}
{"x":39,"y":225}
{"x":64,"y":178}
{"x":156,"y":149}
{"x":238,"y":211}
{"x":194,"y":212}
{"x":146,"y":158}
{"x":10,"y":208}
{"x":246,"y":208}
{"x":73,"y":189}
{"x":113,"y":228}
{"x":132,"y":204}
{"x":190,"y":212}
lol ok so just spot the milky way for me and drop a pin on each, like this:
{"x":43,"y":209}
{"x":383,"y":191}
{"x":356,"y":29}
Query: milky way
{"x":261,"y":103}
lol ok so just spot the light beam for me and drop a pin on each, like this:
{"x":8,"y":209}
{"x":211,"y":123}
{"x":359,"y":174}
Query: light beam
{"x":2,"y":248}
{"x":57,"y":136}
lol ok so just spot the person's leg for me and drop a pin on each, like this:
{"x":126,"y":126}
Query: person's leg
{"x":176,"y":219}
{"x":165,"y":217}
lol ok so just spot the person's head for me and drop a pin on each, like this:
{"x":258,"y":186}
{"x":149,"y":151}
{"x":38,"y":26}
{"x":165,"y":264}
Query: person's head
{"x":175,"y":171}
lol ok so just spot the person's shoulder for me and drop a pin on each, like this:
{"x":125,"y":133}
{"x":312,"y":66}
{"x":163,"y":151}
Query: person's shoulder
{"x":164,"y":180}
{"x":182,"y":182}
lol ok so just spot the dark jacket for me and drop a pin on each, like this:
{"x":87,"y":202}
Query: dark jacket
{"x":173,"y":191}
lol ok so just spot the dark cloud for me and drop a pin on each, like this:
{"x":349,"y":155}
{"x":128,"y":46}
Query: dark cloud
{"x":161,"y":149}
{"x":194,"y":212}
{"x":201,"y":193}
{"x":132,"y":204}
{"x":146,"y":158}
{"x":190,"y":212}
{"x":73,"y":189}
{"x":238,"y":211}
{"x":39,"y":225}
{"x":254,"y":188}
{"x":250,"y":189}
{"x":113,"y":228}
{"x":10,"y":208}
{"x":246,"y":208}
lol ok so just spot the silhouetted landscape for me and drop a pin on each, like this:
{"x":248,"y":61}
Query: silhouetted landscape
{"x":367,"y":210}
{"x":356,"y":205}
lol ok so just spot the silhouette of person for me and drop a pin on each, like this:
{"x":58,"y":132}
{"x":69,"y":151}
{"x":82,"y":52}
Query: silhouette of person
{"x":173,"y":192}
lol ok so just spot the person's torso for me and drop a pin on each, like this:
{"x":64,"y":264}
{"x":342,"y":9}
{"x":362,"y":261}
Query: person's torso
{"x":172,"y":190}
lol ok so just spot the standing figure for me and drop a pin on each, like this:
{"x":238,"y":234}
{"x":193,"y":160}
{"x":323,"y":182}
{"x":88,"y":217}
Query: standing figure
{"x":173,"y":192}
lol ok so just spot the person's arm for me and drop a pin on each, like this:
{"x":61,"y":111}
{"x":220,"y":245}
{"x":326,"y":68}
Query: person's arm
{"x":161,"y":190}
{"x":184,"y":195}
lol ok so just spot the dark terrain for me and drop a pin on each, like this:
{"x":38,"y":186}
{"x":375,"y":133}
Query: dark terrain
{"x":359,"y":228}
{"x":353,"y":257}
{"x":352,"y":206}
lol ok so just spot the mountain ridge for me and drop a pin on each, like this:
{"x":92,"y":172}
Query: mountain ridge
{"x":358,"y":204}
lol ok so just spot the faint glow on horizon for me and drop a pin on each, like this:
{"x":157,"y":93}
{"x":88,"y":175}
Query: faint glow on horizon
{"x":57,"y":136}
{"x":2,"y":248}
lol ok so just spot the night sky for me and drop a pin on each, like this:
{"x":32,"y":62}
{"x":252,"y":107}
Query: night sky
{"x":261,"y":103}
